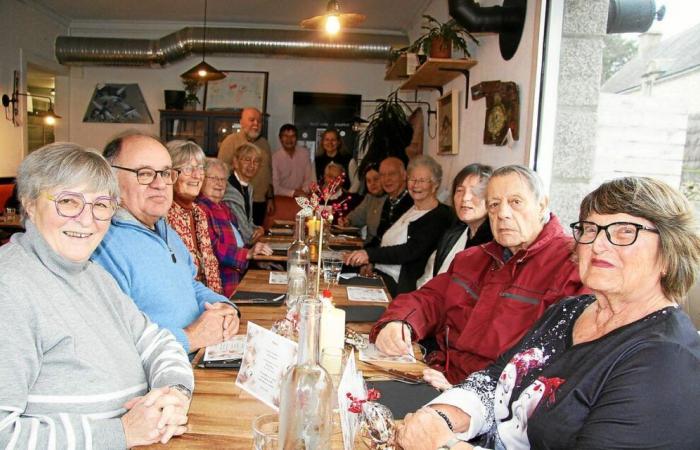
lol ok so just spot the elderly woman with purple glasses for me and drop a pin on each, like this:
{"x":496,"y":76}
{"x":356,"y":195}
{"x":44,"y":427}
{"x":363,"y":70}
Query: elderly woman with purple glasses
{"x":82,"y":367}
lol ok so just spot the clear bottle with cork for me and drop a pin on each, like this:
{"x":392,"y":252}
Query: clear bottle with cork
{"x":306,"y":393}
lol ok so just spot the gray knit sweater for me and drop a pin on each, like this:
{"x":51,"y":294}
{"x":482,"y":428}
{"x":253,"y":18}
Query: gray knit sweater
{"x":74,"y":348}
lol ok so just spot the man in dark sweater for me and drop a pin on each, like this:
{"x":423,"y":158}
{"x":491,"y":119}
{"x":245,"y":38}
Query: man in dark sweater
{"x":392,"y":175}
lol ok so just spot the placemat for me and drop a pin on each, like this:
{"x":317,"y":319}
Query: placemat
{"x":361,"y":281}
{"x":362,"y":313}
{"x":402,"y":398}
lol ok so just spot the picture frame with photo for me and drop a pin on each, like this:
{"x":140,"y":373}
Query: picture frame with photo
{"x":240,"y":89}
{"x":448,"y":123}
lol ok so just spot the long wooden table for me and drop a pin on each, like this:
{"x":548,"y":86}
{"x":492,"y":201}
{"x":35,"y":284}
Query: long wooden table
{"x":280,"y":244}
{"x":221,"y":414}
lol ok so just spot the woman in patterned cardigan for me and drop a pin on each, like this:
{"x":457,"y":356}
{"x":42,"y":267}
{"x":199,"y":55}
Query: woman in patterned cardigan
{"x":186,"y":217}
{"x":227,"y":242}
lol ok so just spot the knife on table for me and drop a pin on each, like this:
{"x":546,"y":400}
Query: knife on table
{"x":397,"y":373}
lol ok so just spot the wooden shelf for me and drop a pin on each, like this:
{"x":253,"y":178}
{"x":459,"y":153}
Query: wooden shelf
{"x":397,"y":71}
{"x":436,"y":72}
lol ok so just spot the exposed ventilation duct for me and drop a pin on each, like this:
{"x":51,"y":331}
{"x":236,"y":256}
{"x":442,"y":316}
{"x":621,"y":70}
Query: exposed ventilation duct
{"x":506,"y":20}
{"x":72,"y":50}
{"x":632,"y":16}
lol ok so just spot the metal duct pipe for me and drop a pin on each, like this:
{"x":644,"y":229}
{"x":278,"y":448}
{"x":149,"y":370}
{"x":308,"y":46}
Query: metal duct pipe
{"x":506,"y":20}
{"x":72,"y":50}
{"x":632,"y":16}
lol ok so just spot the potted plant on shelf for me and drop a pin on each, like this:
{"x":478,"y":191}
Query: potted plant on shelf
{"x":439,"y":38}
{"x":191,"y":100}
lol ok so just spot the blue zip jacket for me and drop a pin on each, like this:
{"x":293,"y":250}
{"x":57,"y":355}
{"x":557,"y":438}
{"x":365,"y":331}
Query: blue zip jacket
{"x":156,"y":270}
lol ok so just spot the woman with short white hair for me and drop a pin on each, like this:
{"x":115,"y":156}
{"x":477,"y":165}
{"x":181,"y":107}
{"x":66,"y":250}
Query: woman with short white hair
{"x":78,"y":357}
{"x":408,"y":243}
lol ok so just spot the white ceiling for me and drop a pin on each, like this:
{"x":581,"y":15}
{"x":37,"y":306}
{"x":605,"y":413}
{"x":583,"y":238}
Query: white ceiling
{"x":388,"y":15}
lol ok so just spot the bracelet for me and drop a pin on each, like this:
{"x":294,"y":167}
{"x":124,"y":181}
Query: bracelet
{"x":445,"y":418}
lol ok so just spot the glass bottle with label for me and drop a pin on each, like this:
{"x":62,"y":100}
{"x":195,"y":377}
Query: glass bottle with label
{"x":297,"y":265}
{"x":306,"y":393}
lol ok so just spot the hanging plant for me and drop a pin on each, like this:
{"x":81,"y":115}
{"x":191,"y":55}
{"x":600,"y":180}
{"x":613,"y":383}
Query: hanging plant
{"x":388,"y":131}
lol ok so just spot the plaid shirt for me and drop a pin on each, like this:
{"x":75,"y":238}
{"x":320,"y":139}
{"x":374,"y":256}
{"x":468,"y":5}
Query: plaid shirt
{"x":233,"y":260}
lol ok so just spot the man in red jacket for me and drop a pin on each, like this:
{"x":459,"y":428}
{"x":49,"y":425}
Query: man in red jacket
{"x":492,"y":293}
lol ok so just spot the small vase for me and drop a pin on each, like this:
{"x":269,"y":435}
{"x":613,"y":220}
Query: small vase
{"x":440,"y":48}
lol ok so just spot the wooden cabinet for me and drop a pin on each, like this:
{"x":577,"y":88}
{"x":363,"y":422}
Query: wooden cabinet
{"x":206,"y":128}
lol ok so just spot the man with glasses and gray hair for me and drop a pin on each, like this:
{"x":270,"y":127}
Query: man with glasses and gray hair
{"x":492,"y":293}
{"x":147,"y":257}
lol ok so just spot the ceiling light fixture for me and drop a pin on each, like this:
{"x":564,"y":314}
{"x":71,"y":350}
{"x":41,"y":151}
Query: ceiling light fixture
{"x":333,"y":20}
{"x":49,"y":116}
{"x":203,"y":71}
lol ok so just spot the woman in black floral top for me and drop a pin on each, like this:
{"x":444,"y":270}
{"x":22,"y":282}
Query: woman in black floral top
{"x":617,"y":369}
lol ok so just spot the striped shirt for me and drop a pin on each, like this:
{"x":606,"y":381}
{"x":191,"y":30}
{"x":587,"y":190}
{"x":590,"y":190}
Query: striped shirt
{"x":74,"y":350}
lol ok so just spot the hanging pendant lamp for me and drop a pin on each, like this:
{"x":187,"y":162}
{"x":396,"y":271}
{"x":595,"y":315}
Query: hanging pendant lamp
{"x":334,"y":20}
{"x":203,"y":71}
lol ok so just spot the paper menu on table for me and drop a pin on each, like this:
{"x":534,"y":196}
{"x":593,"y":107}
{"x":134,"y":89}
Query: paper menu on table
{"x":351,"y":381}
{"x":278,"y":277}
{"x":372,"y":354}
{"x":265,"y":361}
{"x":227,"y":350}
{"x":363,"y":294}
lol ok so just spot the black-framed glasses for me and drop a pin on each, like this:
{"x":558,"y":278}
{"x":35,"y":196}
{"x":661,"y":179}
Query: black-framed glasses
{"x":189,"y":170}
{"x":146,"y":175}
{"x":71,"y":204}
{"x":618,"y":233}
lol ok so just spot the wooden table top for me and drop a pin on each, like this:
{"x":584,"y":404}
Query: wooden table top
{"x":221,"y":414}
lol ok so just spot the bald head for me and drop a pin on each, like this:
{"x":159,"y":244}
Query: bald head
{"x":251,"y":123}
{"x":392,"y":174}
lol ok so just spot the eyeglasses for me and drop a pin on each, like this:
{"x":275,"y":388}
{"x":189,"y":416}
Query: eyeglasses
{"x":217,"y":179}
{"x":146,"y":175}
{"x":420,"y":180}
{"x":618,"y":233}
{"x":189,"y":170}
{"x":72,"y":204}
{"x":255,"y":161}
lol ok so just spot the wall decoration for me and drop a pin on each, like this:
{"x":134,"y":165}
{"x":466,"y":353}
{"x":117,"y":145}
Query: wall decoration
{"x":237,"y":91}
{"x":448,"y":123}
{"x":117,"y":103}
{"x":502,"y":110}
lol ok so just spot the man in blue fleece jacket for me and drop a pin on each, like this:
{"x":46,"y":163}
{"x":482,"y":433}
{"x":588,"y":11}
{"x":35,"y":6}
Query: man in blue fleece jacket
{"x":147,"y":257}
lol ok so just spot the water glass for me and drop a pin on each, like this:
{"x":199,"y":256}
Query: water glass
{"x":266,"y":432}
{"x":10,"y":214}
{"x":332,"y":266}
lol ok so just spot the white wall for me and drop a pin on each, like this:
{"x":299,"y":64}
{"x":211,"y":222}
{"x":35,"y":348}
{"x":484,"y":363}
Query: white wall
{"x":677,"y":89}
{"x":491,"y":66}
{"x":286,"y":75}
{"x":28,"y":38}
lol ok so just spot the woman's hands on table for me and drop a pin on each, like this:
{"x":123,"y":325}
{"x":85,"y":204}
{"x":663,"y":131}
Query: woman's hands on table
{"x":155,"y":417}
{"x":259,"y":248}
{"x":356,"y":258}
{"x":436,"y":379}
{"x":425,"y":429}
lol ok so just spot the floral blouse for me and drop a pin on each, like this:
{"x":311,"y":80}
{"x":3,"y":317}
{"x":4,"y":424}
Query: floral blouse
{"x":191,"y":225}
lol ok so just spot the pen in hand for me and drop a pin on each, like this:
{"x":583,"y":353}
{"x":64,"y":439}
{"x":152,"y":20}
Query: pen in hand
{"x":404,"y":324}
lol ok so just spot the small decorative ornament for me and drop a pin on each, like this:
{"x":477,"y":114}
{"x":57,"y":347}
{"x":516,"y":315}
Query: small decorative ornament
{"x":316,"y":205}
{"x":376,"y":420}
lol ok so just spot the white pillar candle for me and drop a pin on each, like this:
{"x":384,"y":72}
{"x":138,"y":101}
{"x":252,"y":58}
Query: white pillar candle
{"x":332,"y":328}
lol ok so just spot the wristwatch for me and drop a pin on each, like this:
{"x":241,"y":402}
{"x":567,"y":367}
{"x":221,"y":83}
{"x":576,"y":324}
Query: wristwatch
{"x":449,"y":444}
{"x":182,"y":388}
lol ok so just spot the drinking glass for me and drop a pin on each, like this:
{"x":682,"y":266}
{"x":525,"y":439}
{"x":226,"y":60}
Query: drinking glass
{"x":10,"y":214}
{"x":332,"y":265}
{"x":266,"y":432}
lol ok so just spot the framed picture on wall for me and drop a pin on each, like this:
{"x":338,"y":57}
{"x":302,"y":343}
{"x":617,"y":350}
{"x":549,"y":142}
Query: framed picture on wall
{"x":240,"y":89}
{"x":117,"y":103}
{"x":448,"y":123}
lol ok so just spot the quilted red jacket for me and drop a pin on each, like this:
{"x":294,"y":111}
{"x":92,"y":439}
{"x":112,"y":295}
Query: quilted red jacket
{"x":482,"y":305}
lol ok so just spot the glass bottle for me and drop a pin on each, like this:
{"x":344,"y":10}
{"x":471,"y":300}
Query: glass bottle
{"x":306,"y":420}
{"x":297,"y":265}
